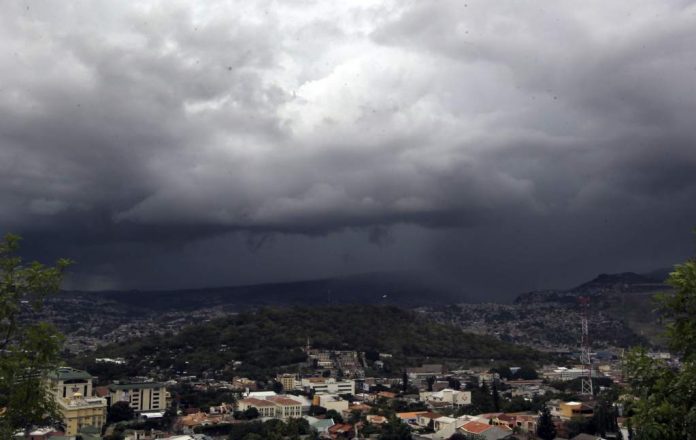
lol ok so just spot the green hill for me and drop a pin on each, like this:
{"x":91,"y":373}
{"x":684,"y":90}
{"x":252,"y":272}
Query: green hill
{"x":269,"y":339}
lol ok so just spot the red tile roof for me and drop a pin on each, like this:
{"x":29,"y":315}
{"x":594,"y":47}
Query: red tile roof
{"x":341,"y":428}
{"x":284,"y":401}
{"x":475,"y":427}
{"x":256,"y":402}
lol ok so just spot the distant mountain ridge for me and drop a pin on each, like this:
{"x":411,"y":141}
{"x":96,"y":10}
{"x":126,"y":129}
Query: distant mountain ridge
{"x":378,"y":288}
{"x":405,"y":289}
{"x":602,"y":285}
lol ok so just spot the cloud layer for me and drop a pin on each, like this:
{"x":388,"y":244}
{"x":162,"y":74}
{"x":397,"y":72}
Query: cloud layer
{"x":172,"y":122}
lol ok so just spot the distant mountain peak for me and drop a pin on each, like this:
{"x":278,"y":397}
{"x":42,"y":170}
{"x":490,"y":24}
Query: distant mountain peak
{"x":612,"y":279}
{"x":621,"y":282}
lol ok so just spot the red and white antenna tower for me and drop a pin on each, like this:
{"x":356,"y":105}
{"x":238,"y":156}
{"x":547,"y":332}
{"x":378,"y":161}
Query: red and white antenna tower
{"x":585,"y":353}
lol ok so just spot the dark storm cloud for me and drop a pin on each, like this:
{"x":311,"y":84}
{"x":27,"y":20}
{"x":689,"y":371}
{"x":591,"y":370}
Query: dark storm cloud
{"x":526,"y":130}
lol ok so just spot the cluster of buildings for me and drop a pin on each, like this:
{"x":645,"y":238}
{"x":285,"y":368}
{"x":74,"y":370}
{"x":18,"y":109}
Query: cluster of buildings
{"x":358,"y":401}
{"x":84,"y":406}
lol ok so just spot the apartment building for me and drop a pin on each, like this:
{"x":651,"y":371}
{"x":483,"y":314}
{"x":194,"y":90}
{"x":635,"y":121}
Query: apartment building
{"x":141,"y":396}
{"x":289,"y":381}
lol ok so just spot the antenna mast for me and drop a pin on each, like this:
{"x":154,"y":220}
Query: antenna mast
{"x":585,"y":356}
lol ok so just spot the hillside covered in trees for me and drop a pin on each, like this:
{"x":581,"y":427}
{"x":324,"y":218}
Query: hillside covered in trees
{"x":268,"y":339}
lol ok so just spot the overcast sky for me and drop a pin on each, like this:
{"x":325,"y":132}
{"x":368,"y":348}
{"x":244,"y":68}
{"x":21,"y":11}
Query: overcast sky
{"x":504,"y":146}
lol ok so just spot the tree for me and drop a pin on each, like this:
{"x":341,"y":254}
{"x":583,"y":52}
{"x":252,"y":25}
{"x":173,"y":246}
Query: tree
{"x":28,"y":350}
{"x":579,"y":425}
{"x":395,"y":430}
{"x":496,"y":397}
{"x":119,"y":412}
{"x":525,"y":373}
{"x":545,"y":426}
{"x":455,"y":384}
{"x":169,"y":418}
{"x":404,"y":382}
{"x":251,"y":413}
{"x":605,"y":415}
{"x":664,"y":403}
{"x":316,"y":410}
{"x":431,"y":382}
{"x":334,"y":415}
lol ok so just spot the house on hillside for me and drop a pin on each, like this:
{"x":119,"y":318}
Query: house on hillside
{"x":447,"y":396}
{"x":484,"y":430}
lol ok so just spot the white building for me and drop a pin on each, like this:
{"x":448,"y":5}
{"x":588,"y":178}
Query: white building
{"x":565,"y":374}
{"x":448,"y":395}
{"x":277,"y":407}
{"x":324,"y":385}
{"x":331,"y":401}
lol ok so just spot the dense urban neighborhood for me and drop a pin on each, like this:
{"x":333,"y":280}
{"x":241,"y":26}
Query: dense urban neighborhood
{"x":335,"y":399}
{"x":550,"y":366}
{"x":409,"y":376}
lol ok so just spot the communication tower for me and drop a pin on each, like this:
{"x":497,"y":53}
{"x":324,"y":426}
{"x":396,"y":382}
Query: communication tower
{"x":585,"y":353}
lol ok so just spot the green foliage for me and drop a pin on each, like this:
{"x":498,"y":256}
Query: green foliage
{"x":431,"y":381}
{"x":334,"y":415}
{"x":665,"y":397}
{"x":481,"y":401}
{"x":679,"y":310}
{"x":495,"y":396}
{"x":579,"y":425}
{"x":469,"y":436}
{"x":190,"y":397}
{"x":251,"y":413}
{"x":524,"y":373}
{"x":518,"y":404}
{"x":119,"y":412}
{"x":28,"y":351}
{"x":271,"y":338}
{"x":270,"y":430}
{"x":605,"y":415}
{"x":315,"y":410}
{"x":546,"y":430}
{"x":395,"y":429}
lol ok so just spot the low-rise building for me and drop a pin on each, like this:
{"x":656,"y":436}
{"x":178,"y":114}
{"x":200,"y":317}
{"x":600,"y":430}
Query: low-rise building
{"x":79,"y":412}
{"x":568,"y":410}
{"x":277,"y":407}
{"x":286,"y":408}
{"x":264,"y":407}
{"x":327,"y":385}
{"x":449,"y":396}
{"x":72,"y":391}
{"x":426,"y":419}
{"x":485,"y":431}
{"x":331,"y":401}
